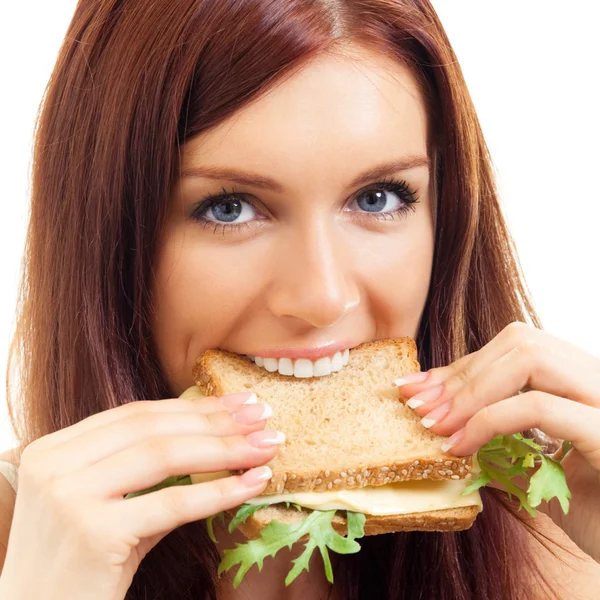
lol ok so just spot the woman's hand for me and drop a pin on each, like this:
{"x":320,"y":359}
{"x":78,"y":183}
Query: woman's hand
{"x":477,"y":397}
{"x":74,"y":535}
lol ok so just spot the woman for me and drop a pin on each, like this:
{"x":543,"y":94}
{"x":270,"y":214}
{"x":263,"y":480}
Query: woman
{"x":269,"y":177}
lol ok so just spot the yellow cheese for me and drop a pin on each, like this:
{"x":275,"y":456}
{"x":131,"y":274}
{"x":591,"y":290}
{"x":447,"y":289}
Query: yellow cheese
{"x":192,"y":392}
{"x":390,"y":499}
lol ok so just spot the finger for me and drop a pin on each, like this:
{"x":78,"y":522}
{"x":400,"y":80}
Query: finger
{"x":558,"y":417}
{"x":102,"y":442}
{"x":154,"y":460}
{"x":200,"y":405}
{"x":160,"y":512}
{"x":546,"y":369}
{"x":515,"y":334}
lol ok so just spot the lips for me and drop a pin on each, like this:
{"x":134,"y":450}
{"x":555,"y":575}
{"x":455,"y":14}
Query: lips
{"x":304,"y":367}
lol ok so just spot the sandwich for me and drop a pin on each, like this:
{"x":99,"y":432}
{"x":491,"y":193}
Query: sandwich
{"x":356,"y":460}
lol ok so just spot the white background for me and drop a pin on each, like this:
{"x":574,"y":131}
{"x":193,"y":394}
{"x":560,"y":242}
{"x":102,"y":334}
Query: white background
{"x":532,"y":69}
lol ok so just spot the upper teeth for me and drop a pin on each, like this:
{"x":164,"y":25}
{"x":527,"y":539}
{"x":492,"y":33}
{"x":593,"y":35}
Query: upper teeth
{"x":303,"y":367}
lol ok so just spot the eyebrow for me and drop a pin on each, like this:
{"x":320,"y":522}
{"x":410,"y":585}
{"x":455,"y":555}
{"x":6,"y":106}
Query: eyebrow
{"x":252,"y":179}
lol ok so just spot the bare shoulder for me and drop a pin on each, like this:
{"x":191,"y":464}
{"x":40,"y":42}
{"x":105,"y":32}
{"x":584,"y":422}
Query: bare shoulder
{"x":572,"y":574}
{"x":11,"y":456}
{"x":7,"y":503}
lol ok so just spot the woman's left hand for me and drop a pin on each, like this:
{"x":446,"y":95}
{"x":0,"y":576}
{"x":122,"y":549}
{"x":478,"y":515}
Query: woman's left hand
{"x":477,"y":397}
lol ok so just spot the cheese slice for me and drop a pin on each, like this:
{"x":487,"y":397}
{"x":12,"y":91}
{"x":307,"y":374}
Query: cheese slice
{"x":391,"y":499}
{"x":399,"y":498}
{"x":193,"y":392}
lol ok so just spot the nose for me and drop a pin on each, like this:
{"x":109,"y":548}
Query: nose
{"x":313,"y":279}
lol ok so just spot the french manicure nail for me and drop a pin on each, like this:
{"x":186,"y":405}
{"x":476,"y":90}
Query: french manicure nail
{"x":412,"y":378}
{"x":437,"y":414}
{"x":246,"y":415}
{"x":265,"y":438}
{"x":430,"y":395}
{"x":453,"y":440}
{"x":253,"y":477}
{"x":232,"y":401}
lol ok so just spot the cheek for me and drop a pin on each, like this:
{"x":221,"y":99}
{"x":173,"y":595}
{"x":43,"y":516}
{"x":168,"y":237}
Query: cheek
{"x":396,"y":274}
{"x":199,"y":296}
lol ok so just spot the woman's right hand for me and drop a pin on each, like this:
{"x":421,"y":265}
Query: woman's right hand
{"x":73,"y":533}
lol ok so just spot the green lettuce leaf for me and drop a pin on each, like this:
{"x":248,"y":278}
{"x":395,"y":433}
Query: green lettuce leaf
{"x":209,"y":525}
{"x":277,"y":535}
{"x":245,"y":511}
{"x":506,"y":457}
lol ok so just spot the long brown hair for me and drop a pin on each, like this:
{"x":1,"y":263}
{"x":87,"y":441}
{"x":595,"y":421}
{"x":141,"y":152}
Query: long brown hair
{"x":134,"y":81}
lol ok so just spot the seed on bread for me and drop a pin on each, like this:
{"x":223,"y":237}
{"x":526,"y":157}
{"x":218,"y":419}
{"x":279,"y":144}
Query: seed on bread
{"x":329,"y":421}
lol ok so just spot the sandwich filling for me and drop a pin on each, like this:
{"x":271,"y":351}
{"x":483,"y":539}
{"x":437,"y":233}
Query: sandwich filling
{"x":398,"y":498}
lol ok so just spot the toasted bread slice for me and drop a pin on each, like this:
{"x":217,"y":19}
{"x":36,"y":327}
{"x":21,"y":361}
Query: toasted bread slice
{"x":449,"y":519}
{"x":346,"y":430}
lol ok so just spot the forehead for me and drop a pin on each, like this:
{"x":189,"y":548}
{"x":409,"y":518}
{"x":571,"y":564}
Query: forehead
{"x":339,"y":109}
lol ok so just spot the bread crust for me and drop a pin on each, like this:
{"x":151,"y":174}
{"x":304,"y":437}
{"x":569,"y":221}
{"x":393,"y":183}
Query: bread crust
{"x":435,"y":468}
{"x":449,"y":519}
{"x":441,"y":466}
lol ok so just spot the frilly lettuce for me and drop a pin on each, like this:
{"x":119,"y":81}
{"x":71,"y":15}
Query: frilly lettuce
{"x":506,"y":457}
{"x":502,"y":459}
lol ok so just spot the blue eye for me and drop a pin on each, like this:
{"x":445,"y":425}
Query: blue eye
{"x":226,"y":209}
{"x":229,"y":210}
{"x":385,"y":199}
{"x":378,"y":201}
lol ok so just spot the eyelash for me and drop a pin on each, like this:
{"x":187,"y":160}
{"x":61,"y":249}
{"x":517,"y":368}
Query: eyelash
{"x":396,"y":186}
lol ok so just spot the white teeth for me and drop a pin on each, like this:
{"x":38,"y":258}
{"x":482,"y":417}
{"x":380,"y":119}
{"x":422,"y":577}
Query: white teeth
{"x":271,"y":364}
{"x":336,"y":362}
{"x":303,"y":368}
{"x":286,"y":366}
{"x":345,"y":356}
{"x":322,"y":366}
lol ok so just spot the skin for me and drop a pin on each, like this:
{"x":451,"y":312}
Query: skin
{"x":311,"y":267}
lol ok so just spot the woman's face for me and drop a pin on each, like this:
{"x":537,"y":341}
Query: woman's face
{"x":321,"y":247}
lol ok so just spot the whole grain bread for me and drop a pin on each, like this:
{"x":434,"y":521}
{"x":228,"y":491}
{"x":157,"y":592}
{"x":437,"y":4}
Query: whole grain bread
{"x":449,"y":519}
{"x":346,"y":430}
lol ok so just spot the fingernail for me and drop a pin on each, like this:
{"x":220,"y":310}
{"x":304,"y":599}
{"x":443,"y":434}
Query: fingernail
{"x":246,"y":415}
{"x":453,"y":440}
{"x":430,"y":395}
{"x":238,"y":399}
{"x":253,"y":477}
{"x":412,"y":378}
{"x":437,"y":414}
{"x":265,"y":438}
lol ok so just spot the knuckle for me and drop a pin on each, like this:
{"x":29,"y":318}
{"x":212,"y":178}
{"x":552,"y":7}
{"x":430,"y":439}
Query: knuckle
{"x":517,"y":331}
{"x":207,"y":422}
{"x":135,"y":408}
{"x":484,"y":420}
{"x":530,"y":347}
{"x":174,"y":503}
{"x":531,"y":352}
{"x":158,"y":451}
{"x":232,"y":444}
{"x":458,"y":381}
{"x":58,"y":491}
{"x":540,"y":404}
{"x":224,"y":489}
